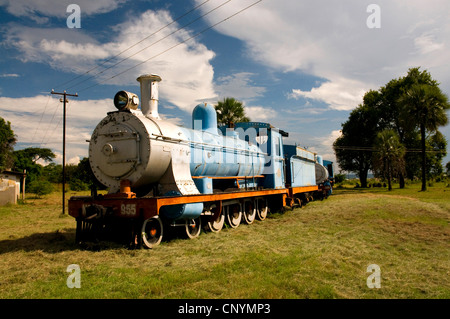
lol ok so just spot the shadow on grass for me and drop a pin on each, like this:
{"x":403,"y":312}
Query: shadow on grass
{"x":53,"y":242}
{"x":359,"y":190}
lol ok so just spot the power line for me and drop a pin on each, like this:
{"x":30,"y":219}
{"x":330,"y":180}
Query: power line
{"x":152,"y":44}
{"x":174,"y":46}
{"x":40,"y":120}
{"x":96,"y":67}
{"x":48,"y":126}
{"x":178,"y":18}
{"x":132,"y":46}
{"x":372,"y":149}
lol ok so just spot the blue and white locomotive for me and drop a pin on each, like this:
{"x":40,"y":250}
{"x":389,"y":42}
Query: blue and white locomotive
{"x":158,"y":173}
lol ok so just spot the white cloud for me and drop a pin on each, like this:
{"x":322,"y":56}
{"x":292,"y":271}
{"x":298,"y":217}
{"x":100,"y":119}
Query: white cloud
{"x":239,"y":86}
{"x":259,"y":113}
{"x":174,"y":120}
{"x":49,"y":45}
{"x":185,"y":69}
{"x":329,"y":140}
{"x":426,"y":43}
{"x":37,"y":122}
{"x":38,"y":10}
{"x":330,"y":39}
{"x":327,"y":147}
{"x":63,"y":49}
{"x":324,"y":145}
{"x":342,"y":94}
{"x":9,"y":75}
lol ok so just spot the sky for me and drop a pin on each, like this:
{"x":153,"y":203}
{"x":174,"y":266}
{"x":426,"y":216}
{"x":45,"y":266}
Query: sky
{"x":302,"y":66}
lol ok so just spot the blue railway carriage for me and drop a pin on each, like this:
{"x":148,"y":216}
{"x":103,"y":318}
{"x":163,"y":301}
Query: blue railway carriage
{"x":300,"y":166}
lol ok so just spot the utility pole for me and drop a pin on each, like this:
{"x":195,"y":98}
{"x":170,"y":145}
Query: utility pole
{"x":64,"y":100}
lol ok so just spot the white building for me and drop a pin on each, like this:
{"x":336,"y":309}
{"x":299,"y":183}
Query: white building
{"x":12,"y":185}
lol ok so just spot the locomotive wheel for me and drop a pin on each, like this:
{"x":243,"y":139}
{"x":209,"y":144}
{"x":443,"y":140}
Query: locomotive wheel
{"x":193,"y":227}
{"x":249,"y":212}
{"x":263,"y":208}
{"x":216,"y":225}
{"x":152,"y":232}
{"x":234,"y":215}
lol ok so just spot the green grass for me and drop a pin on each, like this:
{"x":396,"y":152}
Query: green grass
{"x":319,"y":251}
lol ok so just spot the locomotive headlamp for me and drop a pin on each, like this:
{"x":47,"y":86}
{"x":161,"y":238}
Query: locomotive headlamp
{"x":124,"y":100}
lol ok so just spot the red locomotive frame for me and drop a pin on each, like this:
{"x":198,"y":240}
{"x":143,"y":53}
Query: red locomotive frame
{"x":124,"y":207}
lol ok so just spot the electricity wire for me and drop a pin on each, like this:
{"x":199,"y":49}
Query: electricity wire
{"x":372,"y":149}
{"x":174,"y":46}
{"x":101,"y":64}
{"x":152,"y":44}
{"x":164,"y":51}
{"x":40,"y":120}
{"x":132,"y":46}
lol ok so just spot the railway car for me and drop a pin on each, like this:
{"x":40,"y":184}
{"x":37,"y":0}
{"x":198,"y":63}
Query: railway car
{"x":162,"y":177}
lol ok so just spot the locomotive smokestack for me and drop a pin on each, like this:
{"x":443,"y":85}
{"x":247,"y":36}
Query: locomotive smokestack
{"x":149,"y":94}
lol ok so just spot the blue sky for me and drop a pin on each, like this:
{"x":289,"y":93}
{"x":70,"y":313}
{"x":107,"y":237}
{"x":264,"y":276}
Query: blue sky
{"x":300,"y":65}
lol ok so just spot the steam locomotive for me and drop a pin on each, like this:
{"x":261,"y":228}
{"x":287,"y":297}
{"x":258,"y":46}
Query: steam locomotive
{"x":162,"y":177}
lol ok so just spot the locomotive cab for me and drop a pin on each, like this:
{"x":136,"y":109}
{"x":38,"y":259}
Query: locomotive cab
{"x":270,"y":140}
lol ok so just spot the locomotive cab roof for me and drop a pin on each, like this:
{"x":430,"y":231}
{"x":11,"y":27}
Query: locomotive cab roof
{"x":261,"y":125}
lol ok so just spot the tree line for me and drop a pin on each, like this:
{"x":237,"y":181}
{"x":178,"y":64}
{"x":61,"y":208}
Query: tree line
{"x":394,"y":132}
{"x":41,"y":178}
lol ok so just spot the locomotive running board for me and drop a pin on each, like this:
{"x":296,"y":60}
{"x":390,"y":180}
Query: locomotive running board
{"x":148,"y":207}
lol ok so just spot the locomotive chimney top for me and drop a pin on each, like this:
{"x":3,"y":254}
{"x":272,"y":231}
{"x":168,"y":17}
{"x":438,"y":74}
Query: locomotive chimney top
{"x":149,"y":94}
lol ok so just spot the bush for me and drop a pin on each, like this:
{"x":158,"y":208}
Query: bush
{"x":377,"y":185}
{"x":78,"y":185}
{"x":40,"y":188}
{"x":339,"y":178}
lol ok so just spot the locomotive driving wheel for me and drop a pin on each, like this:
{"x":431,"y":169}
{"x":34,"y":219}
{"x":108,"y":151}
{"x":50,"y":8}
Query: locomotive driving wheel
{"x":249,"y":212}
{"x":234,"y":215}
{"x":193,"y":227}
{"x":152,"y":232}
{"x":262,"y":209}
{"x":216,"y":225}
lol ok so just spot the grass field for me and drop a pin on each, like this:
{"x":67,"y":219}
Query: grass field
{"x":319,"y":251}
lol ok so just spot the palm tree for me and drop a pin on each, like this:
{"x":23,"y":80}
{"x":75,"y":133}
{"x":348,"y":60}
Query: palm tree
{"x":389,"y":155}
{"x":230,"y":111}
{"x":425,"y":106}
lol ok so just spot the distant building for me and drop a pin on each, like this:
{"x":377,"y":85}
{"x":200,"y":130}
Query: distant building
{"x":12,"y":187}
